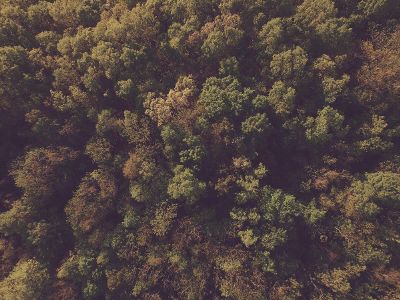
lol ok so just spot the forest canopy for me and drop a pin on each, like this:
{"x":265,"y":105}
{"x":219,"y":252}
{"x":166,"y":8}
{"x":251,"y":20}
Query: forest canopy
{"x":200,"y":149}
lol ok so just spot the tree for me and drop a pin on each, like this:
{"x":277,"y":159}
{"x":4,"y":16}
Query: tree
{"x":14,"y":78}
{"x":28,"y":280}
{"x":39,"y":16}
{"x":38,"y":173}
{"x":223,"y":96}
{"x":256,"y":124}
{"x":163,"y":219}
{"x":378,"y":76}
{"x":281,"y":98}
{"x":374,"y":136}
{"x":315,"y":12}
{"x":288,"y":290}
{"x":180,"y":34}
{"x":366,"y":198}
{"x":334,"y":88}
{"x":107,"y":124}
{"x":136,"y":129}
{"x":108,"y":57}
{"x":221,"y":36}
{"x":185,"y":186}
{"x":48,"y":41}
{"x":164,"y":109}
{"x":338,"y":279}
{"x":140,"y":164}
{"x":327,"y":125}
{"x":193,"y":153}
{"x":100,"y":150}
{"x":335,"y":35}
{"x":81,"y":267}
{"x":247,"y":237}
{"x":12,"y":29}
{"x":92,"y":202}
{"x":14,"y":220}
{"x":279,"y":208}
{"x":73,"y":13}
{"x":378,"y":8}
{"x":272,"y":36}
{"x":289,"y":65}
{"x":229,"y":66}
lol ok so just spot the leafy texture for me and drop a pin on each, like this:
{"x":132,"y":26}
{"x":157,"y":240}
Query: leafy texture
{"x":199,"y":149}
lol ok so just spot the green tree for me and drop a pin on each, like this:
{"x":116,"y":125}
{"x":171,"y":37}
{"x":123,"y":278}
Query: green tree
{"x":28,"y":280}
{"x":221,"y":36}
{"x":14,"y":78}
{"x":224,"y":96}
{"x":272,"y":36}
{"x":256,"y":124}
{"x":185,"y":186}
{"x":281,"y":98}
{"x":327,"y":125}
{"x":289,"y":65}
{"x":315,"y":12}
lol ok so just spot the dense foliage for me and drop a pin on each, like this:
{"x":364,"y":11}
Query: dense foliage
{"x":200,"y":149}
